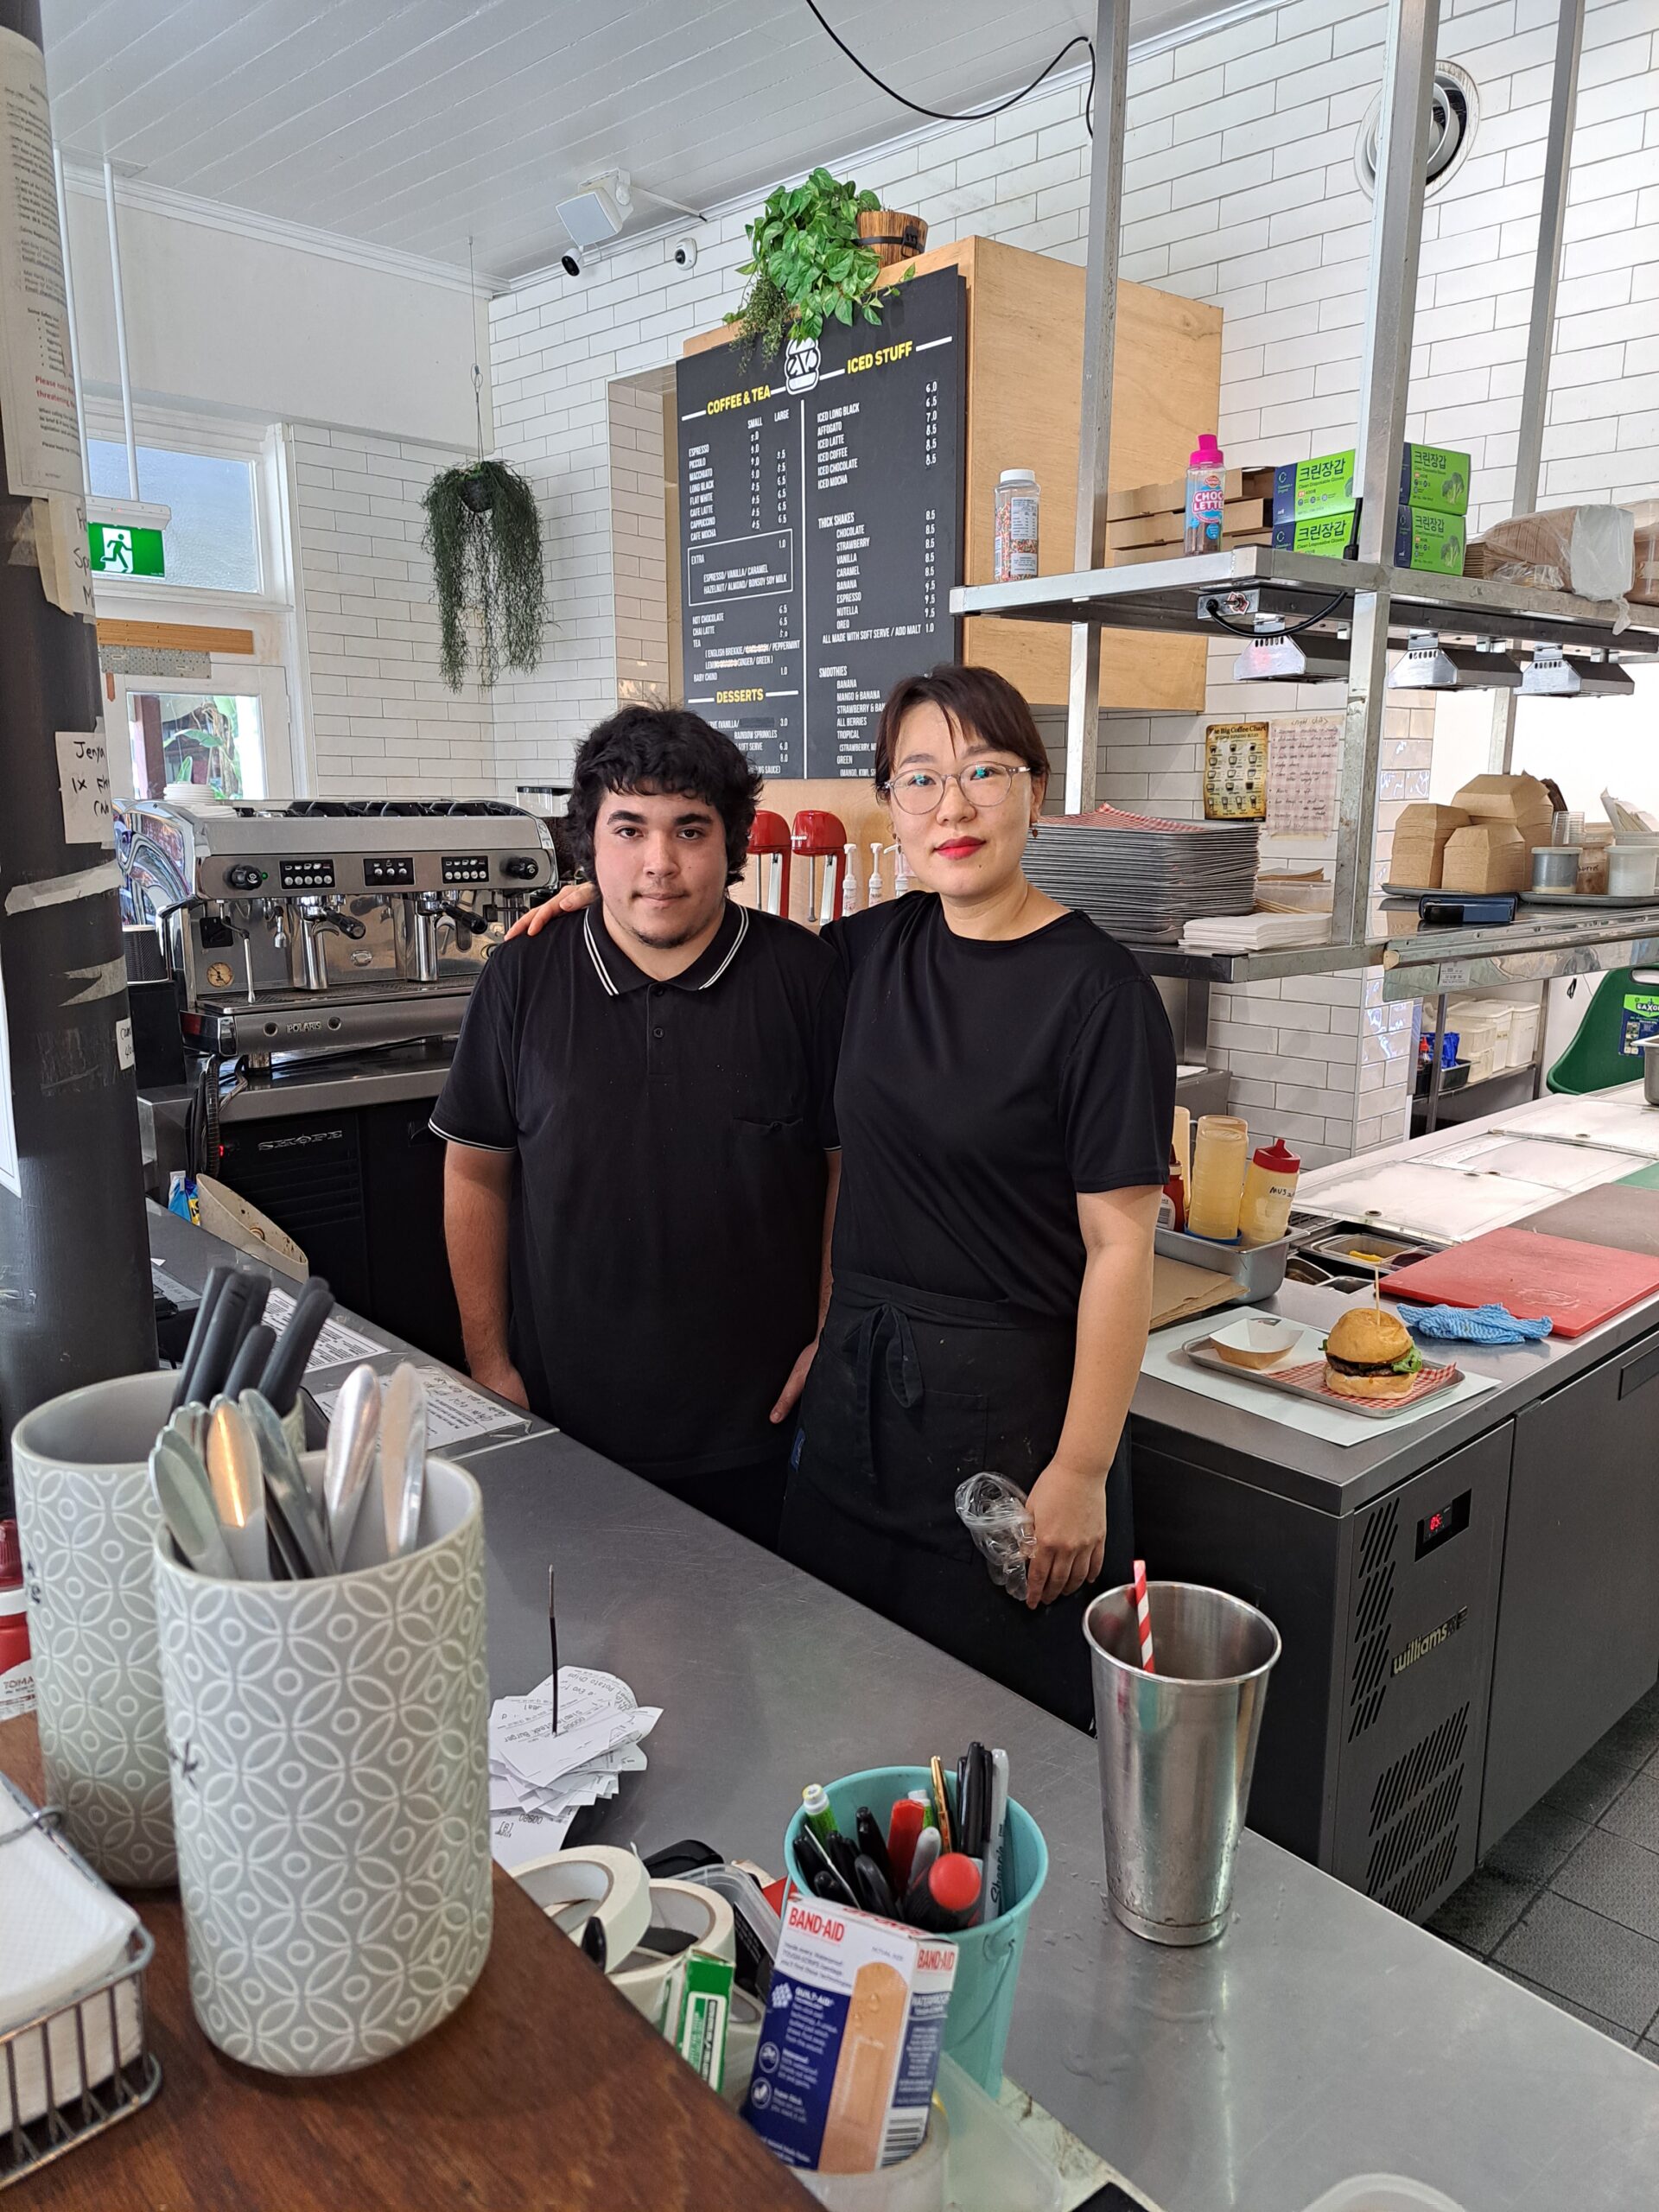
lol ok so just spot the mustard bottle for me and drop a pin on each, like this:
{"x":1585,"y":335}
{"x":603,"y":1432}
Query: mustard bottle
{"x":1269,"y":1186}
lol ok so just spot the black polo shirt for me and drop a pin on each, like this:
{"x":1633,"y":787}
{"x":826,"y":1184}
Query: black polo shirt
{"x":668,"y":1199}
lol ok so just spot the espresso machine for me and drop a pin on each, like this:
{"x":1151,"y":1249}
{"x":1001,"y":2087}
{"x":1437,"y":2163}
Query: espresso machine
{"x":319,"y":956}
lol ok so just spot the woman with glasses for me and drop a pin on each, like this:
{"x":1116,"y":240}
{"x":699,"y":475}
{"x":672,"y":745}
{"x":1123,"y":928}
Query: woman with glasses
{"x":1005,"y":1100}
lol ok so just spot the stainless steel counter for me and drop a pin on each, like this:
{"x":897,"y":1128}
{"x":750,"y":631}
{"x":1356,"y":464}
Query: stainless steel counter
{"x":1320,"y":2037}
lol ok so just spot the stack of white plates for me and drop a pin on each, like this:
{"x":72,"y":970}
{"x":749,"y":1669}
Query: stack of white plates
{"x":1141,"y":878}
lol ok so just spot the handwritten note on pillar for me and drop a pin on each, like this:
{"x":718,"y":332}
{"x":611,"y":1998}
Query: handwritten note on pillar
{"x":83,"y":785}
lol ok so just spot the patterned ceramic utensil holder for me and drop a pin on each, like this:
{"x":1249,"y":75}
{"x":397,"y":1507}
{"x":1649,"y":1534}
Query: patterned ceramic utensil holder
{"x":88,"y":1524}
{"x":330,"y":1791}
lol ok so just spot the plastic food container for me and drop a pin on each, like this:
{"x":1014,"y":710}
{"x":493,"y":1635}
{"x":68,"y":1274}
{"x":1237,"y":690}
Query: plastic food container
{"x":1631,"y":870}
{"x":1555,"y":868}
{"x":988,"y":2165}
{"x":1384,"y":2193}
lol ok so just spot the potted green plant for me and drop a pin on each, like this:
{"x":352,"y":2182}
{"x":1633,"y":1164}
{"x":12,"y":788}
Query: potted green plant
{"x":484,"y":533}
{"x":807,"y":265}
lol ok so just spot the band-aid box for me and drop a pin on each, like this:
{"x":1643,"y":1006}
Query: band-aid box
{"x":850,"y":2047}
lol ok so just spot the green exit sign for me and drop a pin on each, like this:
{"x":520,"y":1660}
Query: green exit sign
{"x":121,"y":551}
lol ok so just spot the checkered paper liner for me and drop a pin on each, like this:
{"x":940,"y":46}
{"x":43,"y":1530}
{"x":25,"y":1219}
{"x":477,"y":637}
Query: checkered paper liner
{"x":1306,"y":1379}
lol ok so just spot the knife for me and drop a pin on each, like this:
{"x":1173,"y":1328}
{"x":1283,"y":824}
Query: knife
{"x":353,"y":1433}
{"x":179,"y":1483}
{"x":213,"y":1362}
{"x":403,"y":1457}
{"x":249,"y":1365}
{"x":211,"y":1291}
{"x":293,"y":1513}
{"x":285,"y":1369}
{"x":237,"y":1479}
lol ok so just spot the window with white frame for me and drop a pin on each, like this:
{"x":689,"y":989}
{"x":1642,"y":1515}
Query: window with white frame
{"x":224,"y":481}
{"x":212,"y":541}
{"x":231,"y":721}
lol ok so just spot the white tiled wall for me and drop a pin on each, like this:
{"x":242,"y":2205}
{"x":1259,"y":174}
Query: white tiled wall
{"x":638,"y":562}
{"x":384,"y":722}
{"x":1240,"y":189}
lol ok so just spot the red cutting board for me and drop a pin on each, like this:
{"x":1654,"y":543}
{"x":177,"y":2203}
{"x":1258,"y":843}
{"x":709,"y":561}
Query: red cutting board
{"x":1577,"y":1285}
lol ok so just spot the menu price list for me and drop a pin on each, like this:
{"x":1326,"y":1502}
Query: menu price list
{"x":821,"y":504}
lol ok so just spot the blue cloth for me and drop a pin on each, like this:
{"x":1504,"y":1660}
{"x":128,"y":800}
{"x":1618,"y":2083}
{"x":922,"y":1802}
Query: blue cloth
{"x":1478,"y":1325}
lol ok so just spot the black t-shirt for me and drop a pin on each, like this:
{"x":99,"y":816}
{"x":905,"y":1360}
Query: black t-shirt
{"x":982,"y":1086}
{"x":667,"y":1219}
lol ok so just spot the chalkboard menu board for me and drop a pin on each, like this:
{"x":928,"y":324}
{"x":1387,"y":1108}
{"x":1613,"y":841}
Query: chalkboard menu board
{"x":821,"y":519}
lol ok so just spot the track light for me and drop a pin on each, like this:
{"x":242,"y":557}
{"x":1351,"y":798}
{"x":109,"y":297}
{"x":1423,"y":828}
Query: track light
{"x":1550,"y":675}
{"x":1430,"y":666}
{"x":1272,"y":656}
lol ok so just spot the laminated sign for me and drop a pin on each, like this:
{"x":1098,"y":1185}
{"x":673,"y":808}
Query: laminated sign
{"x":37,"y":385}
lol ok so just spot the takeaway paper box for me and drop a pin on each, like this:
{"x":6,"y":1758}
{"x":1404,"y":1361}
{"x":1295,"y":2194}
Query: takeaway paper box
{"x":1522,"y":801}
{"x":1487,"y":856}
{"x":1420,"y":841}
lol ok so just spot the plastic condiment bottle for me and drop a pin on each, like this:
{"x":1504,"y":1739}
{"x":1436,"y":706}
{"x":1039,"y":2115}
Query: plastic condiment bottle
{"x":1269,"y":1186}
{"x":1219,"y":1157}
{"x":1018,"y":504}
{"x":1206,"y":484}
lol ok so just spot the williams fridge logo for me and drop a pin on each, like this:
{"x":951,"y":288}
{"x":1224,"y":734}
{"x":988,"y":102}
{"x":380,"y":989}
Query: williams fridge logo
{"x":1421,"y":1645}
{"x":800,"y":360}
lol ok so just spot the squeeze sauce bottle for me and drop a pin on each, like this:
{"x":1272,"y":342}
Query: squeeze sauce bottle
{"x":1219,"y":1155}
{"x":1269,"y":1186}
{"x":1206,"y":483}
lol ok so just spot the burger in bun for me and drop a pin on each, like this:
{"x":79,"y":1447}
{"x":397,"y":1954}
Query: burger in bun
{"x":1370,"y":1354}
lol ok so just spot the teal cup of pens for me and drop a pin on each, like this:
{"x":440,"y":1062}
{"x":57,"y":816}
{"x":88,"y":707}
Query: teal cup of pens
{"x":987,"y":1956}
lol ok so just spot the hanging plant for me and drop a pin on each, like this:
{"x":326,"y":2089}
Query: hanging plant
{"x":485,"y":536}
{"x":807,"y":265}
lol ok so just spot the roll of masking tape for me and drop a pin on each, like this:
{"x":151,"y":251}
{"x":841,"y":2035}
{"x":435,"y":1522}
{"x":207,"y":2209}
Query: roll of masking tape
{"x":742,"y":2041}
{"x":598,"y":1883}
{"x":646,"y":1976}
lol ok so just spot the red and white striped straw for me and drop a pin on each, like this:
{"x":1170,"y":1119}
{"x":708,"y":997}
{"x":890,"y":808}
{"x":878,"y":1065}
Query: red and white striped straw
{"x":1143,"y":1617}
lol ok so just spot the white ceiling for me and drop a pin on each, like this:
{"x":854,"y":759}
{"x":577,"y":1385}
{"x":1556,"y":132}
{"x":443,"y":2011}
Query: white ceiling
{"x":411,"y":124}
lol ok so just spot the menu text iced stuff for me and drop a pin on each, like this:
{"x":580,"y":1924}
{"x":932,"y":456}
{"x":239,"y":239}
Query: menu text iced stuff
{"x":821,"y":527}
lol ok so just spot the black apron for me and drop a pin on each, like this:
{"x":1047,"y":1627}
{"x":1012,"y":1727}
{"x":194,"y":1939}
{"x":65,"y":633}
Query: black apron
{"x":912,"y":1392}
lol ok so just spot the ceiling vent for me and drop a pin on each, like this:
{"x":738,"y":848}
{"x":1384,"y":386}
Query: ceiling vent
{"x":1451,"y":130}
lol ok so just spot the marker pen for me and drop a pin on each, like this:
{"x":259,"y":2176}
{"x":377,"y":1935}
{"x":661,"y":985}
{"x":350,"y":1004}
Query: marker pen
{"x":995,"y":1826}
{"x":941,"y":1801}
{"x":872,"y":1844}
{"x":819,"y":1818}
{"x":946,"y":1896}
{"x":926,"y":1852}
{"x":873,"y":1893}
{"x":904,"y":1826}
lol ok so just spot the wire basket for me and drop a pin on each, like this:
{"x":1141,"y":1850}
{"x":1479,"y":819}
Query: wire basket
{"x":73,"y":2071}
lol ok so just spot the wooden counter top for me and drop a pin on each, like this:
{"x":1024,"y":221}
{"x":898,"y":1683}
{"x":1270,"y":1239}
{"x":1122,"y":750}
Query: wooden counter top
{"x":545,"y":2089}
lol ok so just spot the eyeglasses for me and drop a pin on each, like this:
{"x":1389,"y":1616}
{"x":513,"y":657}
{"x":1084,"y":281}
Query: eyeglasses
{"x":986,"y":783}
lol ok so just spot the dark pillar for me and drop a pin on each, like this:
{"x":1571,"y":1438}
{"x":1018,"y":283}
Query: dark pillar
{"x":75,"y":1301}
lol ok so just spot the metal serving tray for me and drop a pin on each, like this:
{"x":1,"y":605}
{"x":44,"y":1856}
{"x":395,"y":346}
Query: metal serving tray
{"x":1258,"y":1269}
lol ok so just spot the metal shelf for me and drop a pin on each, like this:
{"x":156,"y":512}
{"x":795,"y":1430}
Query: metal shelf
{"x":1421,"y":963}
{"x":1175,"y":595}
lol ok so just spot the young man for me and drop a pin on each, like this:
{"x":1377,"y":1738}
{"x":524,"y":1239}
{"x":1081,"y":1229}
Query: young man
{"x":642,"y":1161}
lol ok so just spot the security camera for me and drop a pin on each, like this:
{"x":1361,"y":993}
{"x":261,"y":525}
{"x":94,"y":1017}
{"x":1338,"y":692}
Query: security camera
{"x":685,"y":253}
{"x":570,"y":262}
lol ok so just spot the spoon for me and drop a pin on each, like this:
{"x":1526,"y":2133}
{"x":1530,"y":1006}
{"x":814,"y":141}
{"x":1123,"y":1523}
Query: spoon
{"x":352,"y":1435}
{"x":402,"y":1457}
{"x":182,"y":1491}
{"x":286,"y":1489}
{"x":189,"y":1425}
{"x":238,"y":1491}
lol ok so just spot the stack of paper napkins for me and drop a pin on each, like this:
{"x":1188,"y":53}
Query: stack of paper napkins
{"x":539,"y":1781}
{"x":60,"y":1930}
{"x":1254,"y":933}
